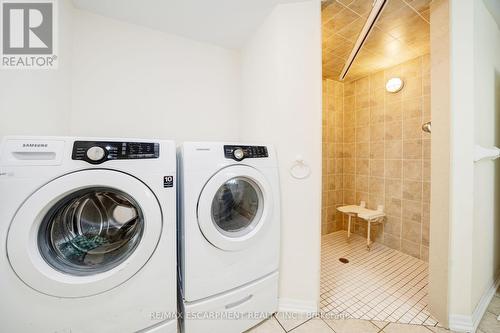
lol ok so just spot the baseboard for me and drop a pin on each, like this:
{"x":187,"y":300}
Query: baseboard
{"x":297,"y":306}
{"x":463,"y":323}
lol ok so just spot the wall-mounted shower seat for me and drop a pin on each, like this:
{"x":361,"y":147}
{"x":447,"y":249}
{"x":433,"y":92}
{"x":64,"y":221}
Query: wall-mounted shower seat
{"x":369,"y":215}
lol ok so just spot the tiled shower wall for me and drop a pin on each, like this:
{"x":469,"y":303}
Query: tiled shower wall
{"x":386,"y":155}
{"x":333,"y":139}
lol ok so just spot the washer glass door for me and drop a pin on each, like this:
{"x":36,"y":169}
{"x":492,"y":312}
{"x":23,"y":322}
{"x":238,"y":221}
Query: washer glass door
{"x":90,"y":231}
{"x":84,"y":233}
{"x":235,"y":207}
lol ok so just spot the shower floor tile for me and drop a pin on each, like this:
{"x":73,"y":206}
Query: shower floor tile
{"x":382,"y":284}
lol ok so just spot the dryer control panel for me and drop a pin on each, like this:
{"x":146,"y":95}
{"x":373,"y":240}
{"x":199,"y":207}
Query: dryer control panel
{"x":239,"y":153}
{"x":97,"y":152}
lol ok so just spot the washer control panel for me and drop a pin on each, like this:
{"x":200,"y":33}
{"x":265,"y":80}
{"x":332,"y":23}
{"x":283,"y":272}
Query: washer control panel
{"x":97,"y":152}
{"x":239,"y":153}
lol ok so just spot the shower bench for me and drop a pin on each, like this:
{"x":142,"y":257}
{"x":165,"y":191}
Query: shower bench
{"x":369,"y":215}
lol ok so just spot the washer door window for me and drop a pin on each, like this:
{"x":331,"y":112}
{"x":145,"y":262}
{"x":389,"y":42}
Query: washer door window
{"x":234,"y":207}
{"x":91,"y":231}
{"x":84,"y":233}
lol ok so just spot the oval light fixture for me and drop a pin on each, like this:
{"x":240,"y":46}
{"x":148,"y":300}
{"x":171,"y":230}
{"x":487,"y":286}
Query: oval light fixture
{"x":394,"y":85}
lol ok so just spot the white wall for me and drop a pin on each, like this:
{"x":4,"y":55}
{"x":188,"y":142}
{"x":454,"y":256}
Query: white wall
{"x":37,"y":102}
{"x":474,"y":227}
{"x":119,"y":79}
{"x":462,"y":150}
{"x":486,"y":241}
{"x":281,"y":89}
{"x":128,"y":80}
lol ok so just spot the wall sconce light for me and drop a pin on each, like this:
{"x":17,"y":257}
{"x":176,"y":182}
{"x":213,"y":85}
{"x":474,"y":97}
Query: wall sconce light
{"x":394,"y":85}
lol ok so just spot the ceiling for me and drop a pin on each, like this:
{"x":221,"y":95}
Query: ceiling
{"x":227,"y":23}
{"x":401,"y":33}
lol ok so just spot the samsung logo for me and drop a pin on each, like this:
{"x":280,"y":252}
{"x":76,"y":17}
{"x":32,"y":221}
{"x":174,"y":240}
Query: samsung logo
{"x":35,"y":145}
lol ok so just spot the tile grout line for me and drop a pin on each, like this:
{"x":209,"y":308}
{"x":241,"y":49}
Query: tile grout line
{"x":410,"y":287}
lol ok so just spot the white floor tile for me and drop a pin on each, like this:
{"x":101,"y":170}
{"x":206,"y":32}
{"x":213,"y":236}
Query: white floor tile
{"x":382,"y":284}
{"x":269,"y":326}
{"x":352,"y":326}
{"x":290,"y":320}
{"x":402,"y":328}
{"x":314,"y":325}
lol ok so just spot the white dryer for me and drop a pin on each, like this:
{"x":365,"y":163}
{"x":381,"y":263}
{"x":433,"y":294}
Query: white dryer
{"x":88,"y":230}
{"x":229,"y":235}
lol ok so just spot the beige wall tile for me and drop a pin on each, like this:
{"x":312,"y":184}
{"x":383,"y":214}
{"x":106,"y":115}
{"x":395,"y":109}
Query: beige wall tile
{"x":412,"y":149}
{"x":393,"y":112}
{"x":392,"y":241}
{"x":412,"y":170}
{"x":426,"y":145}
{"x":362,"y":117}
{"x":363,"y":86}
{"x":349,"y":197}
{"x":362,"y":150}
{"x":375,"y":151}
{"x":393,"y":149}
{"x":410,"y":248}
{"x":363,"y":134}
{"x":377,"y":133}
{"x":411,"y":231}
{"x":349,"y":182}
{"x":392,"y":226}
{"x":377,"y":168}
{"x":412,"y":108}
{"x":412,"y":190}
{"x":349,"y":134}
{"x":427,"y":170}
{"x":349,"y":150}
{"x":377,"y":81}
{"x":377,"y":115}
{"x":393,"y":130}
{"x":412,"y":87}
{"x":350,"y":165}
{"x":362,"y":196}
{"x":362,"y":183}
{"x":393,"y":168}
{"x":377,"y":186}
{"x":412,"y":210}
{"x":393,"y":207}
{"x":349,"y":88}
{"x":394,"y":188}
{"x":412,"y":128}
{"x":362,"y":167}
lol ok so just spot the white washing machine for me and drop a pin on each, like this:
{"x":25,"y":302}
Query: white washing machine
{"x":229,"y":235}
{"x":88,"y":234}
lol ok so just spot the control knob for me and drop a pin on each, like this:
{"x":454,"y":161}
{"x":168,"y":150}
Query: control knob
{"x":238,"y":154}
{"x":95,"y":153}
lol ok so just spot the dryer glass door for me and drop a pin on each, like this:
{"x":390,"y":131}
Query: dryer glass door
{"x":235,"y":207}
